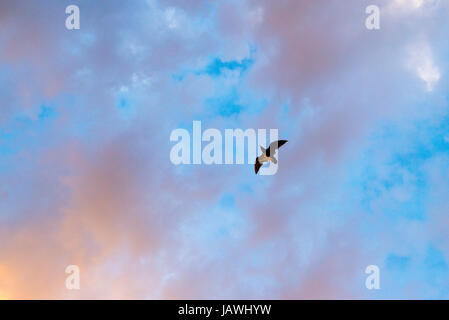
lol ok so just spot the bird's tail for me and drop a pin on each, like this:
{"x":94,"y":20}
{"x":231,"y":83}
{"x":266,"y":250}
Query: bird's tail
{"x":264,"y":151}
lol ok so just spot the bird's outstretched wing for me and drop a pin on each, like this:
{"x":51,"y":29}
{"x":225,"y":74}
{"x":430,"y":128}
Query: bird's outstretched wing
{"x":274,"y":146}
{"x":257,"y":165}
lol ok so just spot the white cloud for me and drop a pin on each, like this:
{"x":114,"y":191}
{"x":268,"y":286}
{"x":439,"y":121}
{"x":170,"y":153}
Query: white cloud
{"x":256,"y":16}
{"x":171,"y":19}
{"x":411,"y":4}
{"x":408,"y":6}
{"x":421,"y":62}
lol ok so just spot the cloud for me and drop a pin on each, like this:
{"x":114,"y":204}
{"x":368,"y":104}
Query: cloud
{"x":409,"y":5}
{"x":421,"y":62}
{"x":84,"y":150}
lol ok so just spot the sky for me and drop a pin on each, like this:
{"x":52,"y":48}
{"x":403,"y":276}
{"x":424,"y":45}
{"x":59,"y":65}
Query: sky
{"x":85,"y":171}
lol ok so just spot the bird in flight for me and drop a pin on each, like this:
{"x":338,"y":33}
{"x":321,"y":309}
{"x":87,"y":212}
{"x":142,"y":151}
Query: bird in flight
{"x":268,"y":154}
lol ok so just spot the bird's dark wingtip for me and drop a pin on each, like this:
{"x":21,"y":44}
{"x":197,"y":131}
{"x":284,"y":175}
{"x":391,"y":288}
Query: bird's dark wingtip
{"x":257,"y":166}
